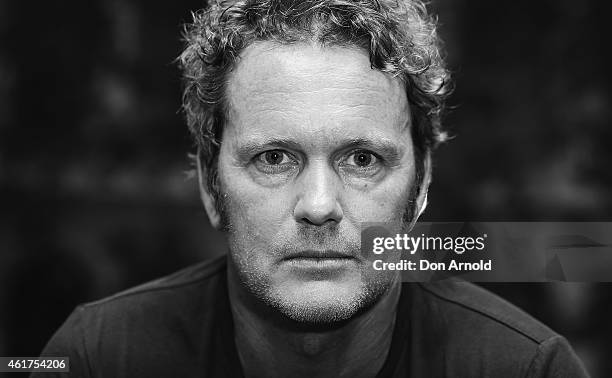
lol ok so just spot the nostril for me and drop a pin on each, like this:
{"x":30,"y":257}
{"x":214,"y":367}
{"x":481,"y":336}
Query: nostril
{"x":307,"y":221}
{"x":318,"y":215}
{"x":326,"y":222}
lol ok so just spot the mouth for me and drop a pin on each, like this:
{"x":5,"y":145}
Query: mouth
{"x":320,"y":265}
{"x":319,"y":255}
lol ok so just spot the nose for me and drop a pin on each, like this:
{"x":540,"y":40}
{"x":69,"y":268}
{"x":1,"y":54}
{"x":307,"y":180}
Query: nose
{"x":318,"y":191}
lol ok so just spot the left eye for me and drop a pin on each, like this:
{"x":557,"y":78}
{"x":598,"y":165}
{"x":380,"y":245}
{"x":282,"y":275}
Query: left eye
{"x":361,"y":159}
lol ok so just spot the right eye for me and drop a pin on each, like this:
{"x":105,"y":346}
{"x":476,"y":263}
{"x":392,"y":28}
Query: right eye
{"x":274,"y":157}
{"x":275,"y":161}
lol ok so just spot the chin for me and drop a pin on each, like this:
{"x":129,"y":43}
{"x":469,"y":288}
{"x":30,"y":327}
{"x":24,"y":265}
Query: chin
{"x":321,"y":302}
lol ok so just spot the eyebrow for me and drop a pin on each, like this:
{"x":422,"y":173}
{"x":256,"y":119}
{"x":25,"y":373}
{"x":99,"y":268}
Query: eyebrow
{"x":383,"y":146}
{"x":247,"y":149}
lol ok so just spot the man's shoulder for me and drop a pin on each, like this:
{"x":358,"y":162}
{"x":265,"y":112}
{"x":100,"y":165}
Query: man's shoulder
{"x":181,"y":318}
{"x":187,"y":297}
{"x":194,"y":278}
{"x":468,"y":303}
{"x":476,"y":333}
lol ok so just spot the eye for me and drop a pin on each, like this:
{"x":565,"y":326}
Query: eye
{"x":275,"y":162}
{"x":362,"y":164}
{"x":274,"y":157}
{"x":361,"y":159}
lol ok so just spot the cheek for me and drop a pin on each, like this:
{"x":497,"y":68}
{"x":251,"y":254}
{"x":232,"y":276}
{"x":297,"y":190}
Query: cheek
{"x":256,"y":213}
{"x":386,"y":202}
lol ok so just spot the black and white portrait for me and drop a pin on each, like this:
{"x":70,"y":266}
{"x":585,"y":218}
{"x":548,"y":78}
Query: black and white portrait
{"x":186,"y":188}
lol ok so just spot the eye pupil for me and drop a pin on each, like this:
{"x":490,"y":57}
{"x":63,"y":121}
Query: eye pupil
{"x":273,"y":157}
{"x":363,"y":159}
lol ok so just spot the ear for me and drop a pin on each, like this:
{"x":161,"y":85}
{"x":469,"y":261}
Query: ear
{"x":207,"y":198}
{"x":421,"y":201}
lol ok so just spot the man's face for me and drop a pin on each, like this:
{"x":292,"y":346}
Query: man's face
{"x":316,"y":143}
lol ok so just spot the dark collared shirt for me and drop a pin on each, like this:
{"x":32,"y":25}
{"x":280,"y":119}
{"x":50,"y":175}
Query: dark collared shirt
{"x":181,"y":326}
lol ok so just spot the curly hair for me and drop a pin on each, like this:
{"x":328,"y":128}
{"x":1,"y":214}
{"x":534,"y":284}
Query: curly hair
{"x":399,"y":36}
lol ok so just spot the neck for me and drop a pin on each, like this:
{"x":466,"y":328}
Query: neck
{"x":271,"y":345}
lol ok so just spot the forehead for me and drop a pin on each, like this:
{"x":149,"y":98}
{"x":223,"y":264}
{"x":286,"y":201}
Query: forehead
{"x":312,"y":88}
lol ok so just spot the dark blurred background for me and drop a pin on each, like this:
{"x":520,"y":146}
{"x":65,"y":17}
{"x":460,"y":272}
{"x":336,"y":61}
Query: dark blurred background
{"x":94,"y":197}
